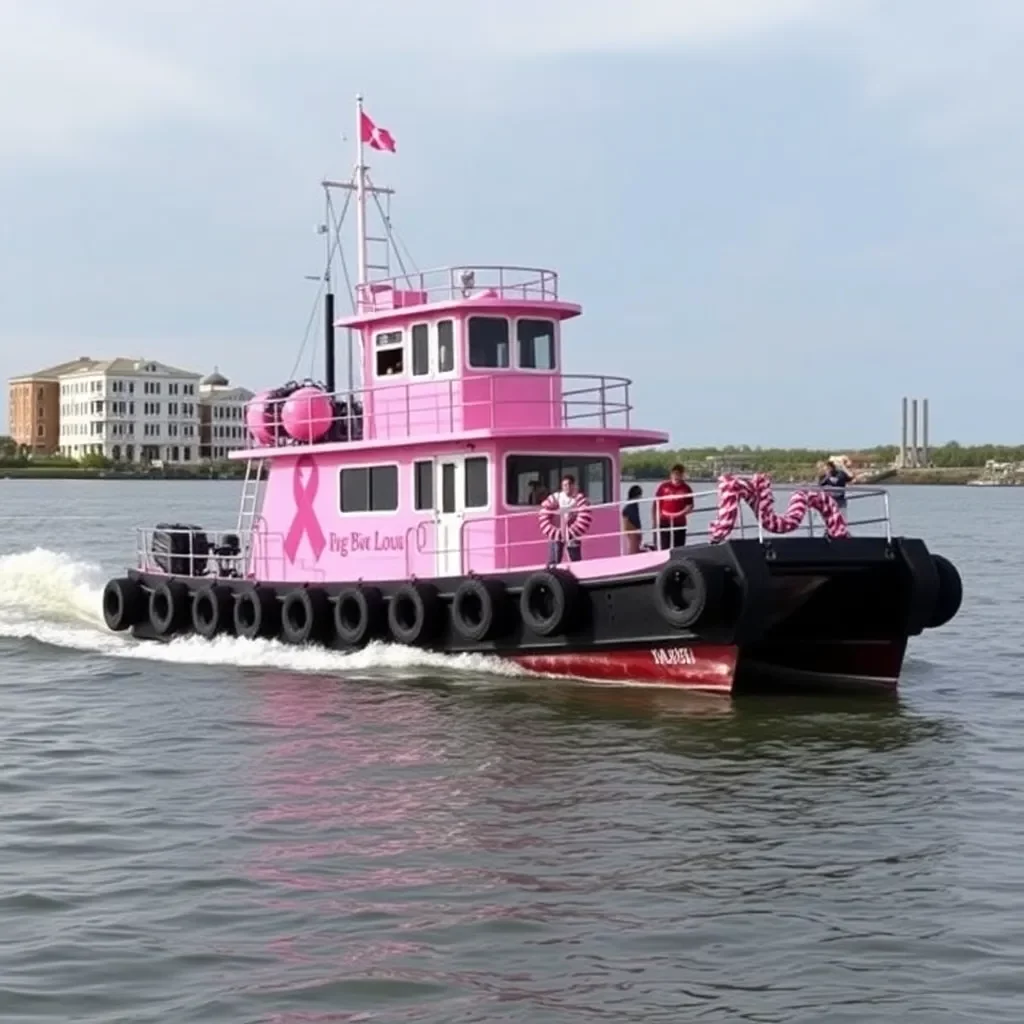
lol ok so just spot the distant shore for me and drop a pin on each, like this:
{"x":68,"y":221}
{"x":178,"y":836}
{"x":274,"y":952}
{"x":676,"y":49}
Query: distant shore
{"x":92,"y":473}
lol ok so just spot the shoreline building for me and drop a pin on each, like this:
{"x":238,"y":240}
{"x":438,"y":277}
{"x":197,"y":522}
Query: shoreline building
{"x":33,"y":407}
{"x":130,"y":410}
{"x":221,"y":417}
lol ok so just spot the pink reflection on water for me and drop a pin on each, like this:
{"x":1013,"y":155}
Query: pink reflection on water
{"x":354,"y":803}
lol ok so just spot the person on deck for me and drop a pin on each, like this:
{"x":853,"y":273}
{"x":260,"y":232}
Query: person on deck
{"x":631,"y":525}
{"x":569,"y":503}
{"x":673,"y":503}
{"x":834,"y":480}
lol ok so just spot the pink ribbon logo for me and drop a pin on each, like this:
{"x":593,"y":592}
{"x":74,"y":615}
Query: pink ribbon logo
{"x":305,"y":521}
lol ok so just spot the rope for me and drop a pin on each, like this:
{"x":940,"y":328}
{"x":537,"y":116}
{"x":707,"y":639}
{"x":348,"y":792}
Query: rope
{"x":756,"y":491}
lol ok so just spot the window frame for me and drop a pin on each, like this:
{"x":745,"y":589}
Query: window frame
{"x":428,"y":372}
{"x":370,"y":511}
{"x":391,"y":347}
{"x":467,"y":342}
{"x":431,"y":501}
{"x":562,"y":456}
{"x":488,"y":477}
{"x":555,"y":345}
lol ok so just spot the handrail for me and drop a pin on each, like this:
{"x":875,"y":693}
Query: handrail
{"x":459,"y":282}
{"x":705,"y":504}
{"x":391,"y":410}
{"x":223,"y":558}
{"x":254,"y":558}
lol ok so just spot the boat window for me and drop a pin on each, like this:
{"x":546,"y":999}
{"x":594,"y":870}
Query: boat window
{"x":476,"y":481}
{"x":531,"y":478}
{"x":447,"y":487}
{"x":536,"y":343}
{"x":420,"y":350}
{"x":423,"y":485}
{"x":369,"y":489}
{"x":488,"y":342}
{"x":445,"y":346}
{"x":389,"y":354}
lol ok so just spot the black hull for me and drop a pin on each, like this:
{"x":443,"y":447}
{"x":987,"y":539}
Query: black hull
{"x":801,"y":609}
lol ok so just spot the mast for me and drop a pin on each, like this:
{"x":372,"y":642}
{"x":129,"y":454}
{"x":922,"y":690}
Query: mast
{"x":329,"y":303}
{"x":360,"y":199}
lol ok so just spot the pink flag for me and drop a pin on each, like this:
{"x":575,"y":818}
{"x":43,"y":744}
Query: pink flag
{"x":376,"y":138}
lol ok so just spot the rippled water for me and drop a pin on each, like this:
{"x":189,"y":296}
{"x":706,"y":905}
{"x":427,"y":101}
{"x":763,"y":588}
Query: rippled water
{"x":241,"y":832}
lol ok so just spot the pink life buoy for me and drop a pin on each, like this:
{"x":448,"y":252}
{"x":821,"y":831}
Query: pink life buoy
{"x":577,"y":517}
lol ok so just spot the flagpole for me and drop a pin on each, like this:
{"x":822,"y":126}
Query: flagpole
{"x":360,"y":200}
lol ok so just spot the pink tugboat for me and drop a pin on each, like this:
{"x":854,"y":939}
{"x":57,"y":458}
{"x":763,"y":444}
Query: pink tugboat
{"x":407,"y":508}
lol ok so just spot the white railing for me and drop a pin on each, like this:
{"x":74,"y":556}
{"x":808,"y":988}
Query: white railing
{"x":418,"y":408}
{"x":653,"y":538}
{"x":445,"y":284}
{"x":178,"y":550}
{"x":514,"y":540}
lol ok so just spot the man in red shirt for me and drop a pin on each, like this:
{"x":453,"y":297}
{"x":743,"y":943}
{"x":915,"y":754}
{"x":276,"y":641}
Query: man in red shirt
{"x":673,"y":503}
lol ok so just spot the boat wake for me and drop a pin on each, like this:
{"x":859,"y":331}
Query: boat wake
{"x":54,"y":599}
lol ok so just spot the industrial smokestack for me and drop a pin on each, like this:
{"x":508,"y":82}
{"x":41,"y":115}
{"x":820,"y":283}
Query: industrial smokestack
{"x":913,"y":432}
{"x":924,"y":432}
{"x":903,"y":441}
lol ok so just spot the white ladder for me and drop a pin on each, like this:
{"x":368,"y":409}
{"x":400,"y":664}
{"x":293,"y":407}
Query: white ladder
{"x":252,"y":499}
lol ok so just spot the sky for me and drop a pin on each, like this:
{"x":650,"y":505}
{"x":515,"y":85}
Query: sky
{"x":779,"y":216}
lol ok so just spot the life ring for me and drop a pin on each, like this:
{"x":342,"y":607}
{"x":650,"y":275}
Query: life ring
{"x":168,"y":607}
{"x":211,"y":610}
{"x":256,"y":613}
{"x":950,"y":593}
{"x":549,"y":601}
{"x":686,"y":591}
{"x":414,"y":613}
{"x":358,"y":612}
{"x":577,"y":521}
{"x":123,"y":604}
{"x":303,"y":615}
{"x":478,"y":608}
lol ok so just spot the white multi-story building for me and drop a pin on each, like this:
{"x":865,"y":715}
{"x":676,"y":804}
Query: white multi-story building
{"x":129,"y":410}
{"x":221,"y":416}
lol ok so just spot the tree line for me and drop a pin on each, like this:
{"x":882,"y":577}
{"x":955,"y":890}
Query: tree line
{"x":655,"y":463}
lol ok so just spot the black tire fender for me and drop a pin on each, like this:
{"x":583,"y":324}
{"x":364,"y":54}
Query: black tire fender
{"x":549,"y":601}
{"x":124,"y":604}
{"x":950,"y":595}
{"x":414,"y":613}
{"x":304,"y":615}
{"x":358,"y":615}
{"x":212,"y":609}
{"x":478,"y":608}
{"x":686,"y":592}
{"x":257,"y":613}
{"x":168,"y":607}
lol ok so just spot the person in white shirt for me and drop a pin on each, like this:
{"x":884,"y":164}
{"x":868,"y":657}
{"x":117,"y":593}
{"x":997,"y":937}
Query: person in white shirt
{"x":573,"y":510}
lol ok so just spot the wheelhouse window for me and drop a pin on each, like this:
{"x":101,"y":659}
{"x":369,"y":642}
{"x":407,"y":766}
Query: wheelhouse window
{"x":389,"y":354}
{"x":369,"y":489}
{"x":535,"y":340}
{"x":420,"y":350}
{"x":488,"y":342}
{"x":477,"y":491}
{"x":531,"y":478}
{"x":445,"y":346}
{"x":423,"y":485}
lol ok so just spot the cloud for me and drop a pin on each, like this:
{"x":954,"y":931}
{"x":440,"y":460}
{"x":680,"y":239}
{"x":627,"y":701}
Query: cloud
{"x":63,"y":84}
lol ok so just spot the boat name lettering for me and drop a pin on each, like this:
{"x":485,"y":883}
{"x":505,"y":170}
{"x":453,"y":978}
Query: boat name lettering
{"x":673,"y":656}
{"x":356,"y":543}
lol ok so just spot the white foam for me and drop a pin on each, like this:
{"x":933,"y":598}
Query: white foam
{"x":54,"y":599}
